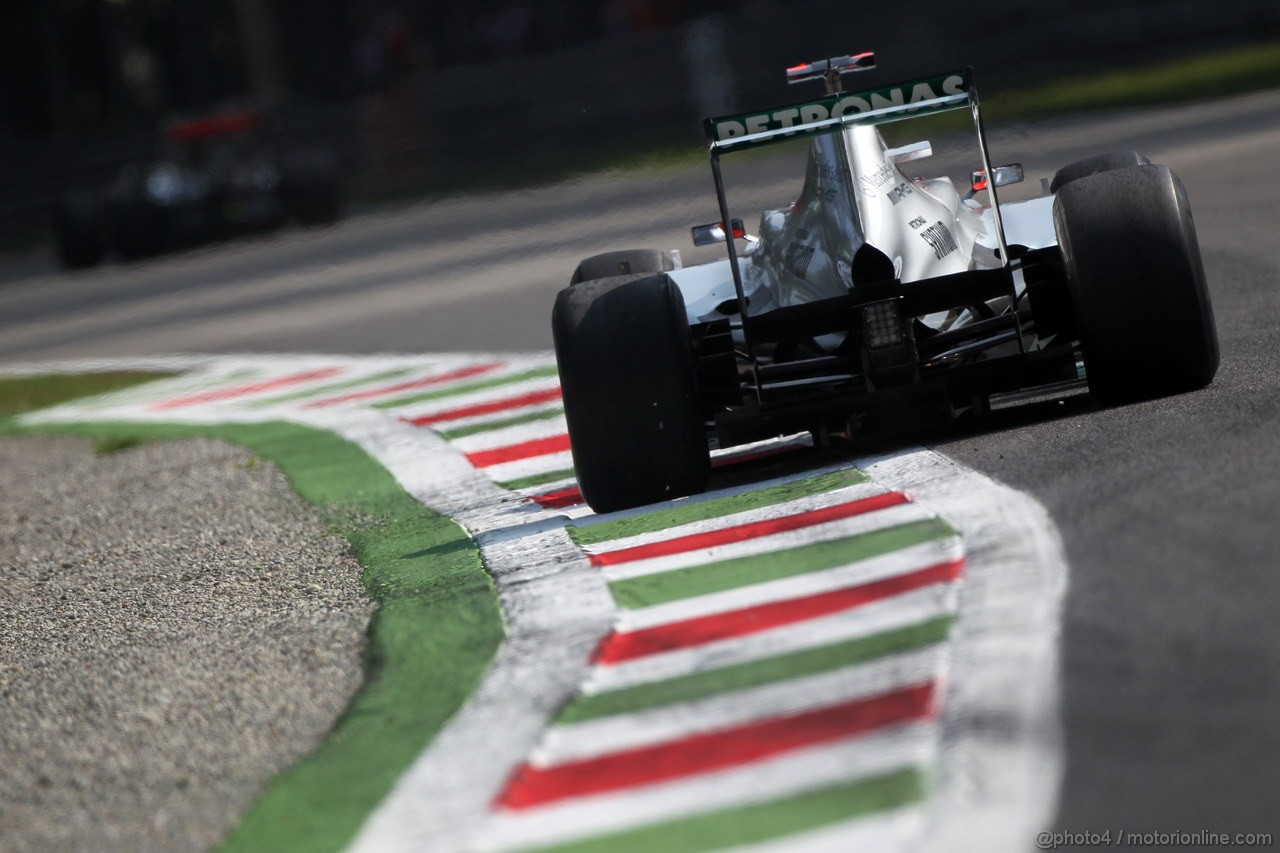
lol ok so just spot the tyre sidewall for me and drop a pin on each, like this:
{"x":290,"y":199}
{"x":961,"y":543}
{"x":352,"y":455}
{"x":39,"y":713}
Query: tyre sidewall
{"x":1137,"y":283}
{"x":621,"y":263}
{"x":630,"y":391}
{"x":1097,"y":164}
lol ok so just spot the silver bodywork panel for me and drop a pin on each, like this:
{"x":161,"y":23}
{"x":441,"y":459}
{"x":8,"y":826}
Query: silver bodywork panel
{"x":804,"y":252}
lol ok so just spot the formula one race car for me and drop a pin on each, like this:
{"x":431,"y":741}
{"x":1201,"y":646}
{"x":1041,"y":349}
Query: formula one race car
{"x":216,"y":178}
{"x":880,"y":299}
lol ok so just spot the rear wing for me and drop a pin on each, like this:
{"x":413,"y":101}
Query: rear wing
{"x":877,"y":106}
{"x":941,"y":93}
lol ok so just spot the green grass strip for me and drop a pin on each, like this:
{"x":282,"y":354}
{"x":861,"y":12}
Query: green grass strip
{"x":648,"y":590}
{"x":454,"y":390}
{"x":1225,"y":73}
{"x":761,"y":822}
{"x":436,"y":627}
{"x":742,"y":676}
{"x":651,"y":522}
{"x":538,"y":479}
{"x":489,"y":426}
{"x":26,"y":393}
{"x":328,"y":389}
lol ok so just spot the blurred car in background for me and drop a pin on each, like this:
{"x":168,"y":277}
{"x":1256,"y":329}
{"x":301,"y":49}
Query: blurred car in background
{"x":216,"y":176}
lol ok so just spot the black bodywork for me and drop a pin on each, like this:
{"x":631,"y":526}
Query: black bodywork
{"x":926,"y":377}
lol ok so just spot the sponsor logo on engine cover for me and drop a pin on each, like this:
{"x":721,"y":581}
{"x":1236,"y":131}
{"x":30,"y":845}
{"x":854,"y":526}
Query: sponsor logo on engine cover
{"x":899,"y":192}
{"x":838,"y":106}
{"x":940,"y":239}
{"x":874,"y":181}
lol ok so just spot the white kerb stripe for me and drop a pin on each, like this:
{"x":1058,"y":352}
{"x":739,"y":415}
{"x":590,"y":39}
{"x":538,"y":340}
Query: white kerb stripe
{"x":655,"y":726}
{"x":823,"y":532}
{"x":792,"y":773}
{"x":494,"y":417}
{"x":510,"y":435}
{"x":715,"y":494}
{"x":427,"y":408}
{"x":873,"y":569}
{"x":505,"y":472}
{"x":796,"y":506}
{"x":911,"y":608}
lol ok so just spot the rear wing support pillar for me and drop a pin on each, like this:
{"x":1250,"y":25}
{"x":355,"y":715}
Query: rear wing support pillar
{"x":738,"y":286}
{"x":1005,"y":260}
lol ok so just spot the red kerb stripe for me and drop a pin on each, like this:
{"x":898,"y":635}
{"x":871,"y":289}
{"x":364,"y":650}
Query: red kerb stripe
{"x":560,"y":498}
{"x":624,"y":646}
{"x":754,"y":530}
{"x":570,"y":496}
{"x":523,"y":450}
{"x":245,"y":390}
{"x":705,"y":753}
{"x":412,"y":385}
{"x":533,"y":398}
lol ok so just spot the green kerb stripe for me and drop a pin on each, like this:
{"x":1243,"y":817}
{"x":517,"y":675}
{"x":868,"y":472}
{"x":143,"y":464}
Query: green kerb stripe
{"x":538,"y":479}
{"x":488,"y":426}
{"x":329,"y":389}
{"x":741,"y":676}
{"x":677,"y":515}
{"x":452,"y":390}
{"x":648,"y":590}
{"x":756,"y":823}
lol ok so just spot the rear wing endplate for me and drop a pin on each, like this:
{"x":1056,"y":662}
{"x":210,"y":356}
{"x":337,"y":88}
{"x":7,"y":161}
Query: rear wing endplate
{"x":876,"y":106}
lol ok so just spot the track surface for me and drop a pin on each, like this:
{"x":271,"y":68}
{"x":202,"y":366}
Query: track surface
{"x":1168,"y":509}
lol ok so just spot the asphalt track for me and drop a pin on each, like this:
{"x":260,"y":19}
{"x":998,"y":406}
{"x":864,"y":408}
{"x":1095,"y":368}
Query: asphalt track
{"x":1168,"y":509}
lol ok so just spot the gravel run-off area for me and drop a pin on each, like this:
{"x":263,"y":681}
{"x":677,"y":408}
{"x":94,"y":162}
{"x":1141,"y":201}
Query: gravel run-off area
{"x":176,"y":627}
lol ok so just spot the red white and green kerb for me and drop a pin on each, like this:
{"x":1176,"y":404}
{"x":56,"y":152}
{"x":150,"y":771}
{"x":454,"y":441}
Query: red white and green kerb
{"x":777,"y":662}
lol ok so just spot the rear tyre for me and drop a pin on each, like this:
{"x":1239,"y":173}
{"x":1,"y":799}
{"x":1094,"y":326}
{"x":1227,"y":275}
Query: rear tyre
{"x":1137,"y":284}
{"x":625,"y":262}
{"x":1096,"y":165}
{"x":630,"y":391}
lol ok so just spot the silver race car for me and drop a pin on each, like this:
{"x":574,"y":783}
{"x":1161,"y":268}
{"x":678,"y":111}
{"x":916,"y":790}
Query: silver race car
{"x":883,"y":298}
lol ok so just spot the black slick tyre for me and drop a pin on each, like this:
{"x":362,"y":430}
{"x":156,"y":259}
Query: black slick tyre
{"x":1095,"y":165}
{"x":1137,"y":284}
{"x":630,"y":391}
{"x":624,"y":262}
